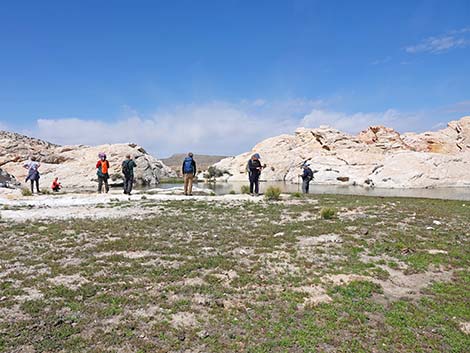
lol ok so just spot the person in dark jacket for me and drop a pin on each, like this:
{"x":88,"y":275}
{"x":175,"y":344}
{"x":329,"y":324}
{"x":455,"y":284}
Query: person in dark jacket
{"x":307,"y":177}
{"x":128,"y":170}
{"x":102,"y":167}
{"x":33,"y":173}
{"x":254,"y":169}
{"x":189,"y":172}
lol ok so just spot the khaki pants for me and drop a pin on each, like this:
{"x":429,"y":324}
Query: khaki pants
{"x":188,"y":183}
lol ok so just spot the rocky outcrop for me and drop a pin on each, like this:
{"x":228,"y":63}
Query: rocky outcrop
{"x":7,"y":180}
{"x":378,"y":156}
{"x":75,"y":165}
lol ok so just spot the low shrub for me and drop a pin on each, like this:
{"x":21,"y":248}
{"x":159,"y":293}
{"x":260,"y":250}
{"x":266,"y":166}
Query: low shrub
{"x":245,"y":189}
{"x":272,"y":193}
{"x":26,"y":192}
{"x":296,"y":194}
{"x":45,"y":191}
{"x":213,"y":172}
{"x":232,"y":192}
{"x":327,"y":213}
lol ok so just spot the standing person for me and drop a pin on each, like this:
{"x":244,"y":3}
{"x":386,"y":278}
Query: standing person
{"x":254,"y":168}
{"x":102,"y":167}
{"x":56,"y":186}
{"x":33,"y":173}
{"x":307,"y":177}
{"x":128,"y":170}
{"x":189,"y":172}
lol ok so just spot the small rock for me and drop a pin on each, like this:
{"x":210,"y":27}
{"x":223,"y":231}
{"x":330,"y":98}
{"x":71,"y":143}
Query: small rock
{"x":407,"y":251}
{"x":203,"y":334}
{"x":465,"y":327}
{"x":437,"y":223}
{"x":343,"y":179}
{"x":436,"y":251}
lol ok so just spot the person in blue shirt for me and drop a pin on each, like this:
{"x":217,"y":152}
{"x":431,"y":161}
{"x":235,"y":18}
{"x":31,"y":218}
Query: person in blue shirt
{"x":189,"y":172}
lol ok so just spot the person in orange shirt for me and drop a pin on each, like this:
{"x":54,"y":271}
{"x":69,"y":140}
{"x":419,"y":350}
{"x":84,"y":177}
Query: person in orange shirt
{"x":102,"y":167}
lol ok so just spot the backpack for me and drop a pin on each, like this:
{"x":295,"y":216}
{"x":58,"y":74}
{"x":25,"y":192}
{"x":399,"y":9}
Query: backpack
{"x":125,"y":168}
{"x":188,"y":165}
{"x":309,"y":174}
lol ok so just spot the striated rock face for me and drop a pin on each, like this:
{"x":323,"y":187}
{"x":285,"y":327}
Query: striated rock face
{"x":378,"y":156}
{"x":75,"y":165}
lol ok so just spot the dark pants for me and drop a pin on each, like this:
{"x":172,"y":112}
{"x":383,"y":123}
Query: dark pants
{"x":56,"y":189}
{"x":101,"y":180}
{"x":128,"y":183}
{"x":305,"y":186}
{"x":37,"y":185}
{"x":254,"y":183}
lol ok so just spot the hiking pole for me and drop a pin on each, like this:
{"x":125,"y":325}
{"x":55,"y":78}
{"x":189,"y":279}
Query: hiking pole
{"x":298,"y":183}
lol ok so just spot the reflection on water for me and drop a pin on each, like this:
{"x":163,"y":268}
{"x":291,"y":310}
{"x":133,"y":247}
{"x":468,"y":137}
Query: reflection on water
{"x":438,"y":193}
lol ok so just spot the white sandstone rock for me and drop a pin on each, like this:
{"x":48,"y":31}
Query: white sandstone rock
{"x":378,"y":156}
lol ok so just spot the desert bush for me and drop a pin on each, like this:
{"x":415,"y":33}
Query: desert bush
{"x":245,"y":189}
{"x":45,"y":191}
{"x":327,"y":213}
{"x":296,"y":194}
{"x":213,"y":172}
{"x":232,"y":192}
{"x":26,"y":192}
{"x":272,"y":193}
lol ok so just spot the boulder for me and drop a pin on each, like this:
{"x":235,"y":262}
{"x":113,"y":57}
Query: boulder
{"x":75,"y":165}
{"x":378,"y":156}
{"x":7,"y":180}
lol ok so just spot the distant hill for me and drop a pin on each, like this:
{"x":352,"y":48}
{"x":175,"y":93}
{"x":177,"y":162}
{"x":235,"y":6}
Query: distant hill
{"x":203,"y":162}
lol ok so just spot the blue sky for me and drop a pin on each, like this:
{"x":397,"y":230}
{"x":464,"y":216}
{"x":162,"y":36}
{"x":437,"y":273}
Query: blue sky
{"x":218,"y":76}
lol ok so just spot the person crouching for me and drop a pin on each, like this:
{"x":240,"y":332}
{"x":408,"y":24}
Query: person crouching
{"x":56,"y":186}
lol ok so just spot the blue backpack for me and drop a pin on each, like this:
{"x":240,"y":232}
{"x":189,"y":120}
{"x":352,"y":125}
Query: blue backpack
{"x":188,"y":165}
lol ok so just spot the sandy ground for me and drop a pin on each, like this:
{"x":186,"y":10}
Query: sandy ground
{"x":85,"y":205}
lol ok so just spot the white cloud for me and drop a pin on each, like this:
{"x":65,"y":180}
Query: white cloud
{"x":217,"y":128}
{"x":441,"y":44}
{"x":212,"y":128}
